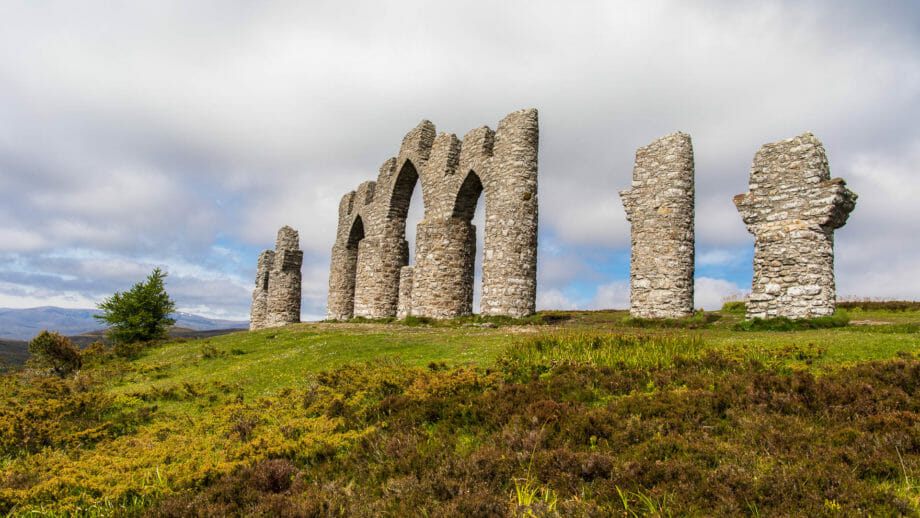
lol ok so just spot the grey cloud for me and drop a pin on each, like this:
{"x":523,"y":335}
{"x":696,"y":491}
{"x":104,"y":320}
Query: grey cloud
{"x":148,"y":131}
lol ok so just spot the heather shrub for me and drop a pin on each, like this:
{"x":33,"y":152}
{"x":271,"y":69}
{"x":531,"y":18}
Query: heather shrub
{"x":884,"y":305}
{"x":51,"y":350}
{"x":586,"y":439}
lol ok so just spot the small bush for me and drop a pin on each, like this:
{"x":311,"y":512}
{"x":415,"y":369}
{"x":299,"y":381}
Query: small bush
{"x":128,"y":350}
{"x":95,"y":353}
{"x":734,"y":307}
{"x":412,"y":321}
{"x":54,"y":351}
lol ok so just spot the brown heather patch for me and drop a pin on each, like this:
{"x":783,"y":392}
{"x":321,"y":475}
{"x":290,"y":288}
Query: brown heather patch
{"x":707,"y":436}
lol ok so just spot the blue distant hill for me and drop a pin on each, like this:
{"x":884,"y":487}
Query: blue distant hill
{"x":24,"y":324}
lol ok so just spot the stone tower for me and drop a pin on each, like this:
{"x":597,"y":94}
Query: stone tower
{"x":792,"y":209}
{"x":660,"y":210}
{"x":369,"y":275}
{"x":276,"y":299}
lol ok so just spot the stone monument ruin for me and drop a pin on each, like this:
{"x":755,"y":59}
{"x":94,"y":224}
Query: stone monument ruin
{"x":276,"y":299}
{"x":660,"y":209}
{"x":369,"y":275}
{"x":792,"y":209}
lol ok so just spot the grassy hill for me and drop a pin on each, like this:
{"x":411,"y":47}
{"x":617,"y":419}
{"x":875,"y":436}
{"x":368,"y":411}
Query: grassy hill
{"x":564,"y":414}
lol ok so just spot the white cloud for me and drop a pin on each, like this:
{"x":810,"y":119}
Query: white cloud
{"x":614,"y":295}
{"x":21,"y":240}
{"x":553,"y":299}
{"x":16,"y":296}
{"x":709,"y":293}
{"x":165,"y":126}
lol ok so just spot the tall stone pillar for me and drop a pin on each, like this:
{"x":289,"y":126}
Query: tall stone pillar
{"x":258,"y":317}
{"x":509,"y":264}
{"x":792,"y":209}
{"x":285,"y":279}
{"x":445,"y":253}
{"x":660,"y":209}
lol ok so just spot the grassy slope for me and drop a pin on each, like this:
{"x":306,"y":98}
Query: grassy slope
{"x":250,"y":366}
{"x":265,"y":361}
{"x":261,"y":363}
{"x":268,"y":360}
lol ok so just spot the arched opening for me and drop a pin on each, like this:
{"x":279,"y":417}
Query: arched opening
{"x":468,"y":197}
{"x":356,"y":234}
{"x":402,"y":191}
{"x":468,"y":208}
{"x":407,"y":207}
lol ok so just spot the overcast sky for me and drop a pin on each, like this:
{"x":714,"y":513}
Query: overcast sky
{"x":184,"y":134}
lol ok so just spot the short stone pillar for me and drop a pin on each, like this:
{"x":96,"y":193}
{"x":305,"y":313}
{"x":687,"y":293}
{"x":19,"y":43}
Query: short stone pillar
{"x":660,"y":209}
{"x":445,"y":253}
{"x":285,"y":279}
{"x":404,"y":308}
{"x":792,"y":209}
{"x":258,"y":317}
{"x":276,"y":299}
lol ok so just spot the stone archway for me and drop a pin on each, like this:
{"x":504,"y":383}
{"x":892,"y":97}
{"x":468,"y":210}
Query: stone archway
{"x":453,"y":174}
{"x":446,"y":256}
{"x":382,"y":257}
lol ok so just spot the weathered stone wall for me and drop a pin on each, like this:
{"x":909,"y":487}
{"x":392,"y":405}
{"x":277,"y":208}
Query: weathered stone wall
{"x":276,"y":299}
{"x":660,"y":208}
{"x":258,"y":317}
{"x":452,"y":175}
{"x":404,"y":308}
{"x":445,"y":252}
{"x":792,"y":209}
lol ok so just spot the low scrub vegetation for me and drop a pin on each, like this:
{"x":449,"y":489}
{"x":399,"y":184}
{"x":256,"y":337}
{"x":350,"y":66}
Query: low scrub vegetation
{"x":541,"y":318}
{"x":561,"y":422}
{"x":880,"y":305}
{"x":838,"y":319}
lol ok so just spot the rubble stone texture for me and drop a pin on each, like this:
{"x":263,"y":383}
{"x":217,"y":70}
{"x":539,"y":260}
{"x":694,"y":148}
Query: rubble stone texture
{"x":403,"y":309}
{"x":259,"y":312}
{"x":660,"y":209}
{"x":276,"y":299}
{"x":368,"y":275}
{"x":792,"y":209}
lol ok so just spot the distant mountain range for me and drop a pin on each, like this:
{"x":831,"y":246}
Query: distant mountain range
{"x":24,"y":324}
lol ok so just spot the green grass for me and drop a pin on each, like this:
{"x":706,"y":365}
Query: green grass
{"x":343,"y":403}
{"x":264,"y":361}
